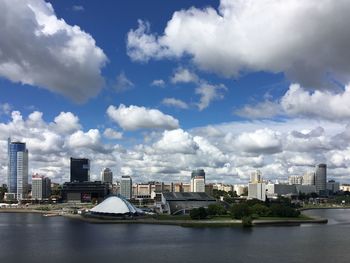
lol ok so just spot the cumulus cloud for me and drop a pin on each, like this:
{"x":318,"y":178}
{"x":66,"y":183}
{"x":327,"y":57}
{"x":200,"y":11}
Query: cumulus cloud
{"x":172,"y":102}
{"x":66,"y":122}
{"x":112,"y":134}
{"x":158,"y":83}
{"x":183,"y":75}
{"x":135,"y":117}
{"x":209,"y":93}
{"x":123,"y":83}
{"x":300,"y":38}
{"x":261,"y":110}
{"x":260,"y":141}
{"x":40,"y":49}
{"x":5,"y":108}
{"x":176,"y":141}
{"x":320,"y":104}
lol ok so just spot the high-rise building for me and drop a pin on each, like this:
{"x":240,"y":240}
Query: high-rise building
{"x":41,"y":187}
{"x":309,"y":178}
{"x":79,"y":170}
{"x":17,"y":171}
{"x":107,"y":176}
{"x":126,"y":187}
{"x":321,"y":178}
{"x":257,"y":191}
{"x":295,"y":179}
{"x":198,"y":181}
{"x":255,"y":177}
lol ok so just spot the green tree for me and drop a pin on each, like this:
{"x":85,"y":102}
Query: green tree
{"x":198,"y":213}
{"x":260,"y":210}
{"x":216,"y":209}
{"x":247,"y":221}
{"x":238,"y":211}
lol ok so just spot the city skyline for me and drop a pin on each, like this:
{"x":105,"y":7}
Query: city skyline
{"x":149,"y":93}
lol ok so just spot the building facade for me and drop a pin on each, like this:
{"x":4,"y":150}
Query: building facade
{"x":17,"y":172}
{"x":41,"y":187}
{"x":321,"y":178}
{"x":107,"y":176}
{"x":257,"y":191}
{"x":198,"y":181}
{"x":126,"y":187}
{"x":79,"y":170}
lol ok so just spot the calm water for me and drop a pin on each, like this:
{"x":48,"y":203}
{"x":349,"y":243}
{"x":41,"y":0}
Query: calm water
{"x":33,"y":238}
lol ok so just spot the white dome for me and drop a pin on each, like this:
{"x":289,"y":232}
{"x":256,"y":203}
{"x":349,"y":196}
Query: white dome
{"x":115,"y":205}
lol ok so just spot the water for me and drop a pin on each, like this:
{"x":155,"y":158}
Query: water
{"x":33,"y":238}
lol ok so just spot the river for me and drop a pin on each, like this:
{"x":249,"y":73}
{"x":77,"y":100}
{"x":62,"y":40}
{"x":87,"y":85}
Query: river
{"x":34,"y":238}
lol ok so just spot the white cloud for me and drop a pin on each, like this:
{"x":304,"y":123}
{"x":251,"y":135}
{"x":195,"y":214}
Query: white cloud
{"x":319,"y":104}
{"x":90,"y":139}
{"x":122,"y":83}
{"x":158,"y":83}
{"x":135,"y":117}
{"x":209,"y":93}
{"x":112,"y":134}
{"x":38,"y":48}
{"x":183,"y":75}
{"x":66,"y":122}
{"x":266,"y":109}
{"x":300,"y":38}
{"x":260,"y":141}
{"x":176,"y":141}
{"x":172,"y":102}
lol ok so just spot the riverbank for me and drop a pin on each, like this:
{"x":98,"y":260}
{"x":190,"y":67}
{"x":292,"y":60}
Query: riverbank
{"x":25,"y":210}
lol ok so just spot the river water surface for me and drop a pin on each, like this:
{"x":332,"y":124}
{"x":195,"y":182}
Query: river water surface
{"x":34,"y":238}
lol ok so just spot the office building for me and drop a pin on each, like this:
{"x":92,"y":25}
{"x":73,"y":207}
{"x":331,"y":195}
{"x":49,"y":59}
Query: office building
{"x":255,"y":177}
{"x":107,"y":176}
{"x":79,"y":170}
{"x":41,"y":187}
{"x":17,"y":171}
{"x":84,"y":192}
{"x":295,"y":179}
{"x":333,"y":186}
{"x":198,"y":181}
{"x":257,"y":191}
{"x":126,"y":187}
{"x":309,"y":178}
{"x":321,"y":178}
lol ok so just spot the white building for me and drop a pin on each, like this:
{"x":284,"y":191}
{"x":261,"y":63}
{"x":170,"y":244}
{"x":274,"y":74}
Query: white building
{"x":107,"y":176}
{"x":198,"y":184}
{"x":309,"y":178}
{"x":41,"y":187}
{"x":239,"y":189}
{"x":126,"y":187}
{"x":257,"y":191}
{"x":256,"y":177}
{"x":295,"y":179}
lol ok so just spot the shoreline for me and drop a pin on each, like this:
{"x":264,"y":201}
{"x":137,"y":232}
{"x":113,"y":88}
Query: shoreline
{"x":176,"y":222}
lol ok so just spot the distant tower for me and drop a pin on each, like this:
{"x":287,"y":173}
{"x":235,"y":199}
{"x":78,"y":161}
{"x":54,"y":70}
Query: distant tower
{"x":79,"y":170}
{"x":126,"y":187}
{"x":107,"y":176}
{"x":321,"y":178}
{"x":309,"y":178}
{"x":17,"y":175}
{"x":198,"y":181}
{"x":255,"y":177}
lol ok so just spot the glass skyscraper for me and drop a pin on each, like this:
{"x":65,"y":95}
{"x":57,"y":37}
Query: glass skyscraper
{"x":17,"y":174}
{"x":79,"y":170}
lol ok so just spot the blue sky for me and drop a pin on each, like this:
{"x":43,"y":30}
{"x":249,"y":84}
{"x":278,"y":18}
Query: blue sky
{"x":154,"y":89}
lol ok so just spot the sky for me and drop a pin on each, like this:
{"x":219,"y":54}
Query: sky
{"x":155,"y":89}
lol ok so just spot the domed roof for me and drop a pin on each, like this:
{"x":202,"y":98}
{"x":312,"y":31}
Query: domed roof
{"x":115,"y":205}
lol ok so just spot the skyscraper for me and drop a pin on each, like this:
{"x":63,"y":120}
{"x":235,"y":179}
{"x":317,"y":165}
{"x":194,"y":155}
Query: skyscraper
{"x":107,"y":176}
{"x":321,"y":178}
{"x":79,"y":170}
{"x":126,"y":187}
{"x":198,"y":181}
{"x":17,"y":173}
{"x":41,"y":187}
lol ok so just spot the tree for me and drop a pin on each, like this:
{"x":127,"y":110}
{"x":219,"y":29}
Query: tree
{"x":216,"y":209}
{"x":260,"y":210}
{"x":247,"y":221}
{"x":238,"y":211}
{"x":198,"y":213}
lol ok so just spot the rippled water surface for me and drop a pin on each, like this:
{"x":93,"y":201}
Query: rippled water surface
{"x":33,"y":238}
